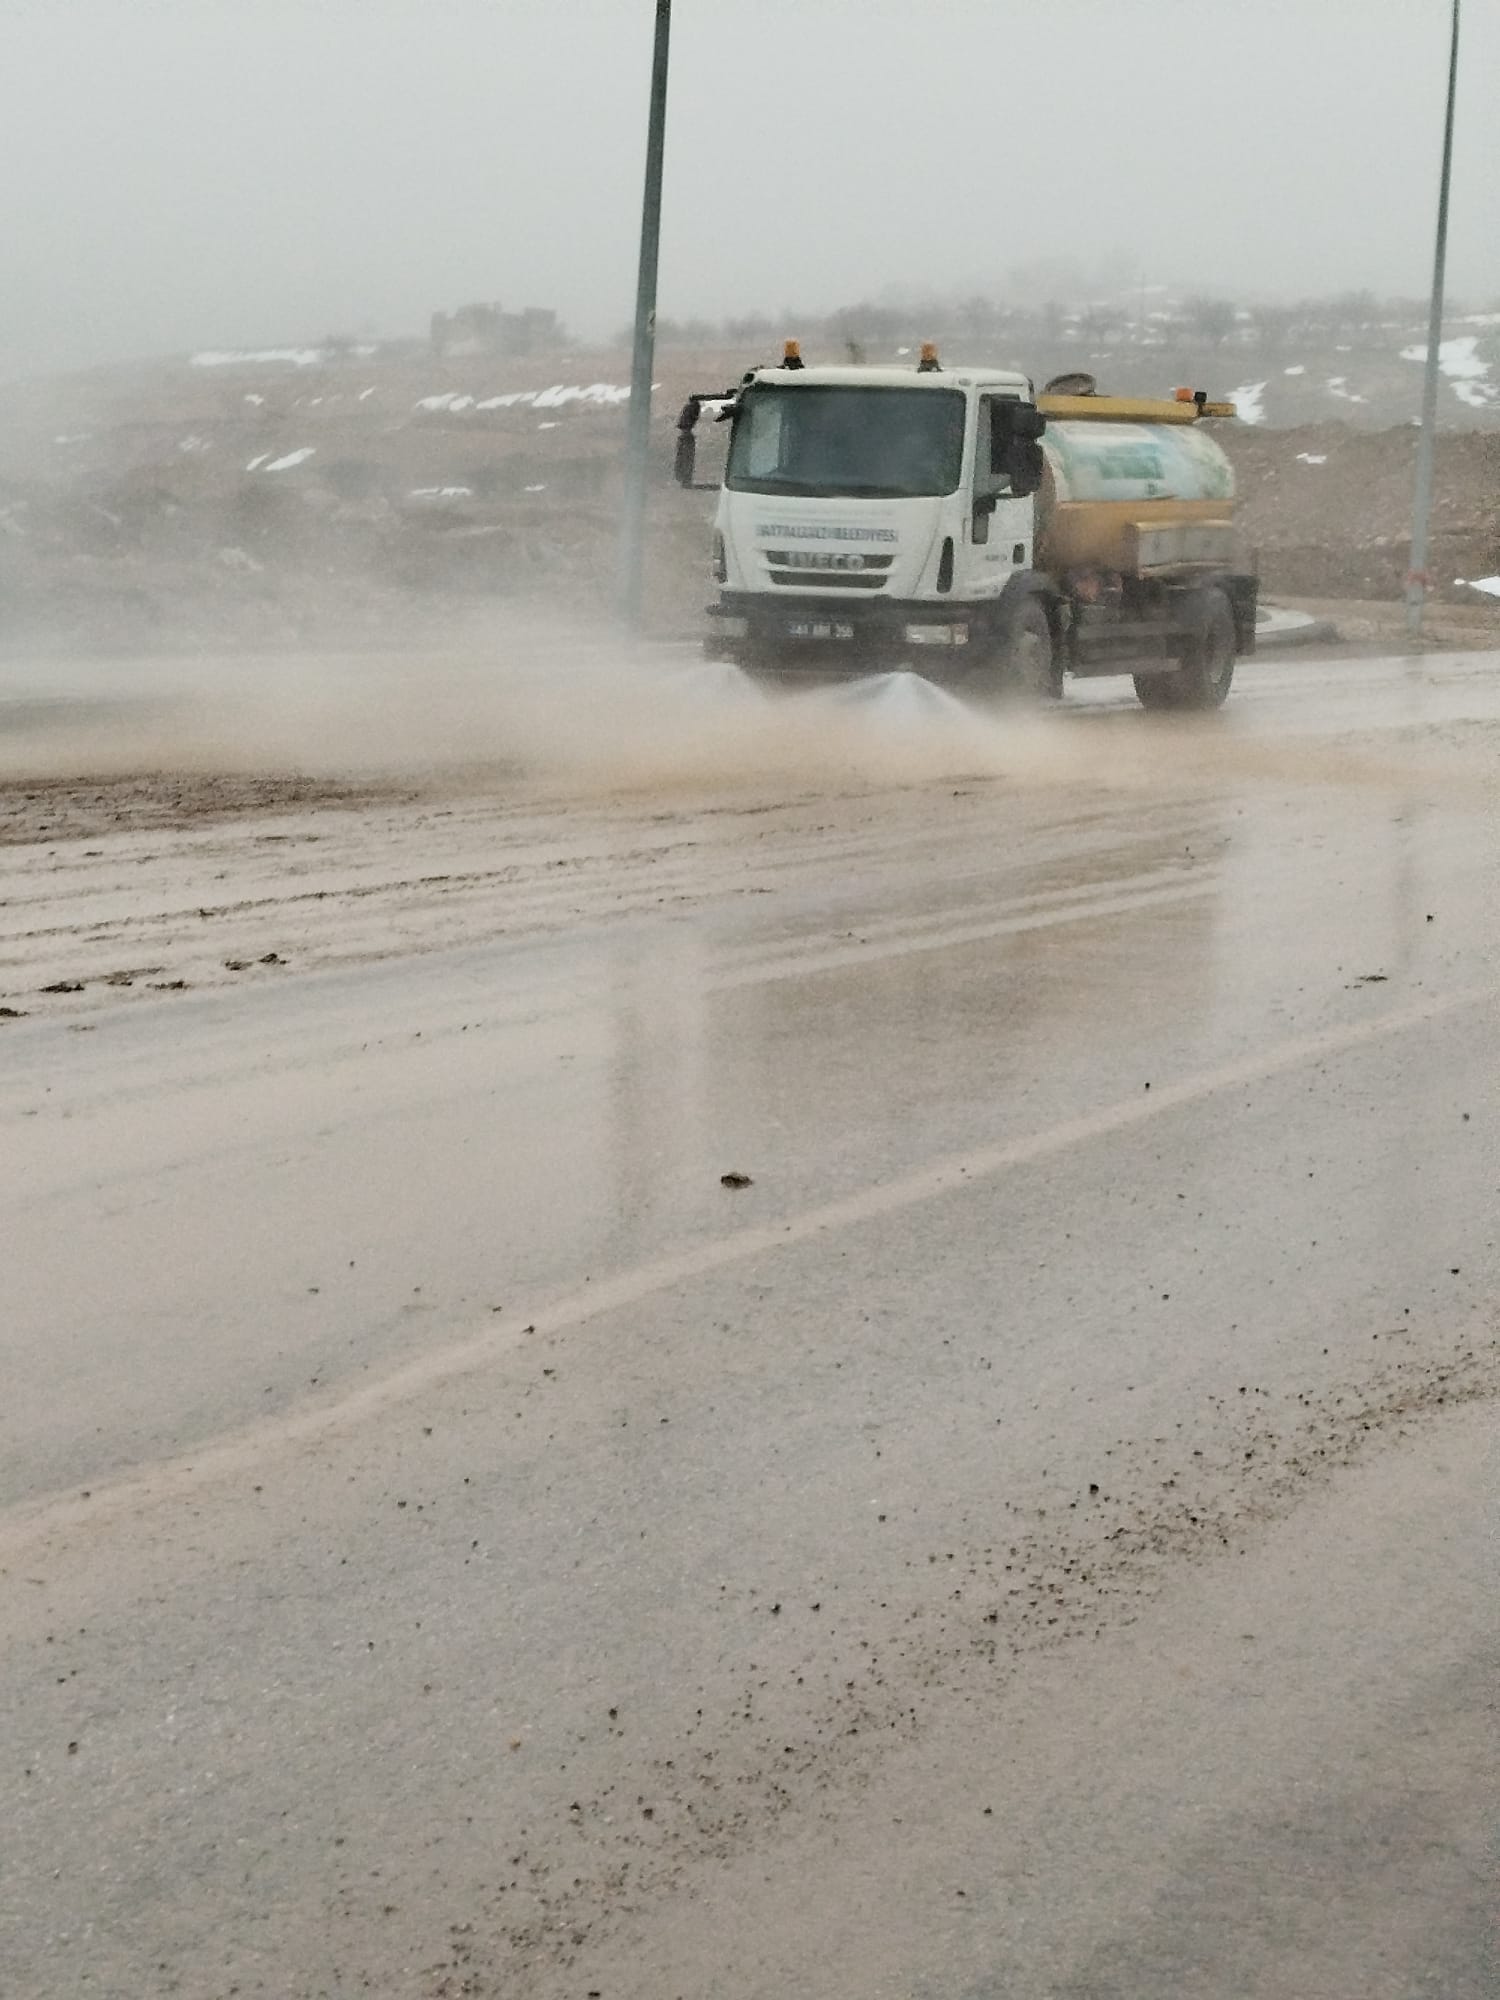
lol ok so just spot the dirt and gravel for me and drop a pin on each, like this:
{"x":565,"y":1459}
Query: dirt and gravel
{"x":1327,"y":509}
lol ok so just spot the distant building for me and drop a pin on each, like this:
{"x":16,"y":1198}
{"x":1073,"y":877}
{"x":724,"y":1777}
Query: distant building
{"x":489,"y":329}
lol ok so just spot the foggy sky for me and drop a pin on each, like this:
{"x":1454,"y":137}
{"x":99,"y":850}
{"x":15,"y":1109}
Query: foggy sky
{"x":186,"y":173}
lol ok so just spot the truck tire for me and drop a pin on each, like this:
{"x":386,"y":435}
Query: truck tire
{"x":1207,"y":671}
{"x":1029,"y":669}
{"x":1158,"y":691}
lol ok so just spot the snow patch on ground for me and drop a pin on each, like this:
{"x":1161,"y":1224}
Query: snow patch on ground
{"x":1338,"y":385}
{"x":266,"y":357}
{"x":1312,"y":457}
{"x":1249,"y":402}
{"x":603,"y":395}
{"x":1460,"y":360}
{"x":442,"y":493}
{"x":292,"y":357}
{"x":292,"y":458}
{"x":1489,"y":584}
{"x":1298,"y":370}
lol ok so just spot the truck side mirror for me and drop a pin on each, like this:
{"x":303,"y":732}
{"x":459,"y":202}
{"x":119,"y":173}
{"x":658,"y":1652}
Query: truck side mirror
{"x":1011,"y":425}
{"x":686,"y":462}
{"x":1015,"y":454}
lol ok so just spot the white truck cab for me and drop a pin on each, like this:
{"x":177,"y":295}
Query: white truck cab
{"x":863,"y":500}
{"x":878,"y":517}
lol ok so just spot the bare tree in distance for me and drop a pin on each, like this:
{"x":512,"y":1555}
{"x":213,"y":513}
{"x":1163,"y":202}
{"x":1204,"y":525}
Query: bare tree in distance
{"x":978,"y":317}
{"x":749,"y":329}
{"x":1275,"y":324}
{"x":1101,"y":321}
{"x":1354,"y":312}
{"x":1211,"y":319}
{"x":867,"y":325}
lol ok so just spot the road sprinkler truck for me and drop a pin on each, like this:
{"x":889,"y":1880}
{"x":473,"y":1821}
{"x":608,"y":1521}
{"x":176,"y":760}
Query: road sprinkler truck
{"x":953,"y":521}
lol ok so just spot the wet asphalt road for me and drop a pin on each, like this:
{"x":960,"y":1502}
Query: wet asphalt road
{"x":1036,"y":1538}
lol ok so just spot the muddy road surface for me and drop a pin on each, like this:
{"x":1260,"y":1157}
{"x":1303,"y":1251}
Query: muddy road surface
{"x":675,"y":1347}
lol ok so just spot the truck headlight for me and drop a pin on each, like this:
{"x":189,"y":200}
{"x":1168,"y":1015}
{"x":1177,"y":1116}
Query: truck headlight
{"x":937,"y":635}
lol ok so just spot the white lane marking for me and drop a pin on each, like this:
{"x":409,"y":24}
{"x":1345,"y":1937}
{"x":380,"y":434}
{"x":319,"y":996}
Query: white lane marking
{"x":325,"y":1422}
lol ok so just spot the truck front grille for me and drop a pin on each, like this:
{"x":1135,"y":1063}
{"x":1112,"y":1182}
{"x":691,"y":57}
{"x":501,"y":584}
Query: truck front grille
{"x":799,"y":571}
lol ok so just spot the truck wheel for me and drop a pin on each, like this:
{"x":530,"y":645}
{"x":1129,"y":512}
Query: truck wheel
{"x":1207,"y":672}
{"x":1203,"y":680}
{"x":1029,"y":670}
{"x":1158,"y":691}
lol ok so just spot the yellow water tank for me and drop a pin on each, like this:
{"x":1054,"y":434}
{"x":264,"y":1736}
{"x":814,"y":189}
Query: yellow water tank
{"x":1133,"y":498}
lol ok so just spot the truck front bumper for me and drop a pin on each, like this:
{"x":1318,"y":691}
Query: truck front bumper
{"x":829,"y":638}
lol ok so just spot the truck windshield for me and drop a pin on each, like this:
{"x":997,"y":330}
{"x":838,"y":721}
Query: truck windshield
{"x":847,"y":442}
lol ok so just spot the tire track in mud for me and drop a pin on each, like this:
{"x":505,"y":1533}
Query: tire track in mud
{"x":360,"y":887}
{"x":53,"y":810}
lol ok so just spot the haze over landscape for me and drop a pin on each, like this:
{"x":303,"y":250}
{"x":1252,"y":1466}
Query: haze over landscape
{"x":206,"y":172}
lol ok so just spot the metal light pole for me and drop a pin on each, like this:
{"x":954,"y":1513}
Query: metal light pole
{"x":1417,"y":578}
{"x":638,"y":436}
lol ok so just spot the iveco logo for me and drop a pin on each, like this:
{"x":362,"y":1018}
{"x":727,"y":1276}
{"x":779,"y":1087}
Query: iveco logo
{"x":819,"y":559}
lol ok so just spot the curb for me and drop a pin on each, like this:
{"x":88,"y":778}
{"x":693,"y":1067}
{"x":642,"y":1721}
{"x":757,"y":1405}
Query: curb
{"x":1277,"y":628}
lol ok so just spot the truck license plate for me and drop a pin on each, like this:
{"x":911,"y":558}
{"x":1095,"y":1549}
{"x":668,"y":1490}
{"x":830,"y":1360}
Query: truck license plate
{"x":819,"y":629}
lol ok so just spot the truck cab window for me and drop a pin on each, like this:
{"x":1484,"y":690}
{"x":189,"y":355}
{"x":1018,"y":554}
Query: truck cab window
{"x":833,"y":441}
{"x":759,"y":435}
{"x":987,"y":481}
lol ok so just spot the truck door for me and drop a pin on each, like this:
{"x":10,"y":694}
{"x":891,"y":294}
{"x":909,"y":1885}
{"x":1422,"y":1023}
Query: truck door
{"x":998,"y":528}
